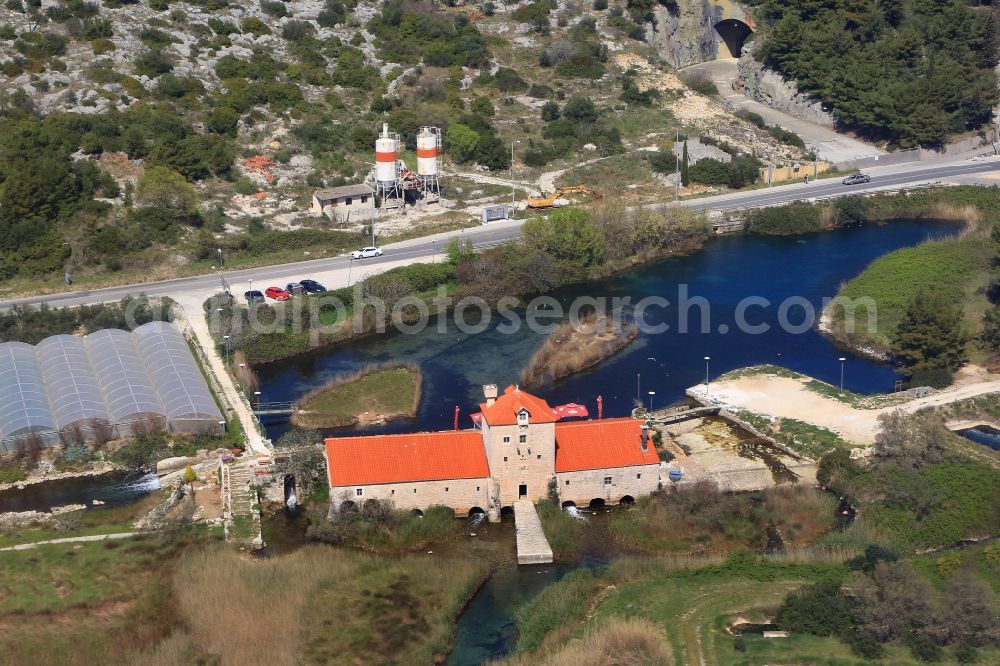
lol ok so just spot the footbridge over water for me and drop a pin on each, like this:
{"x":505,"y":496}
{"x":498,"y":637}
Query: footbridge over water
{"x":532,"y":546}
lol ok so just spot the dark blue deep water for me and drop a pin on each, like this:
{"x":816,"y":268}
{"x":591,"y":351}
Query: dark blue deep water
{"x":810,"y":267}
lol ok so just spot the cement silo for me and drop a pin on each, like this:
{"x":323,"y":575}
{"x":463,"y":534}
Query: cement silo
{"x":387,"y":166}
{"x":428,"y":150}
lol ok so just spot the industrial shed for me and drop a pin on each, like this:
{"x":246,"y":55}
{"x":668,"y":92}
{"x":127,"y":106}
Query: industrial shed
{"x":111,"y":383}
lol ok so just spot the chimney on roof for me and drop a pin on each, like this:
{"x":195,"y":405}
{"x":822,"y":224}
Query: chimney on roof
{"x":644,"y":437}
{"x":490,"y":391}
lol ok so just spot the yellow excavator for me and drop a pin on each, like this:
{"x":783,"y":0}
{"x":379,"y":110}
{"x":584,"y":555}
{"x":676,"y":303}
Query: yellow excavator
{"x":540,"y":203}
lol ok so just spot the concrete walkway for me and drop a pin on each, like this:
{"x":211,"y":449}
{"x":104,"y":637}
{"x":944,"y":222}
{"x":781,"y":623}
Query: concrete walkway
{"x":833,"y":146}
{"x":80,"y":539}
{"x":532,"y":546}
{"x":785,"y":397}
{"x":256,"y":444}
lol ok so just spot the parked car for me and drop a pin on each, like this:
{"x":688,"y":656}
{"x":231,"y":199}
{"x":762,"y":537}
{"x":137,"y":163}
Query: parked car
{"x":277,"y":293}
{"x":254,"y":297}
{"x":295,"y":288}
{"x":366,"y":252}
{"x":311,"y":286}
{"x":856,"y":179}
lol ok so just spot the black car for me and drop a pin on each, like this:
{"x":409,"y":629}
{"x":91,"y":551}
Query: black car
{"x":254,"y":296}
{"x":312,"y":287}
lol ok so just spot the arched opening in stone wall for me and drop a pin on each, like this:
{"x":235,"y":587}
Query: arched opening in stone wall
{"x":734,"y":33}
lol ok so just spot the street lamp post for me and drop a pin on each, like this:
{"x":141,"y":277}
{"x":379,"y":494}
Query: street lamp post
{"x":707,"y":359}
{"x":842,"y":359}
{"x":225,"y":338}
{"x":652,"y":394}
{"x":350,"y":269}
{"x":638,"y":390}
{"x":513,"y":204}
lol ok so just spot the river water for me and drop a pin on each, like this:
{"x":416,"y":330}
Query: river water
{"x":112,"y":489}
{"x":730,"y":268}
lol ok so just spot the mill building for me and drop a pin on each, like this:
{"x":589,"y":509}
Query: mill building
{"x":519,"y":449}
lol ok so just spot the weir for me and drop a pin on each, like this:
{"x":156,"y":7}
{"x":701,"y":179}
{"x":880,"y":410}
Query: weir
{"x":532,"y":546}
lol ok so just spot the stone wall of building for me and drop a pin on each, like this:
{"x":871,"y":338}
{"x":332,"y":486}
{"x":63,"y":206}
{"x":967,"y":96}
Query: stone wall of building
{"x":513,"y":463}
{"x":459,"y":494}
{"x":584,"y":486}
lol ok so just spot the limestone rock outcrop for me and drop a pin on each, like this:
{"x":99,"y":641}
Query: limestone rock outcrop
{"x":768,"y":87}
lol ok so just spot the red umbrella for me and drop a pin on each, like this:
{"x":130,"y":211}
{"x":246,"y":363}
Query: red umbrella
{"x":570,"y":409}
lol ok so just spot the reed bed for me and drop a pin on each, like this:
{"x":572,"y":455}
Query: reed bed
{"x":244,"y":373}
{"x":316,"y":605}
{"x":615,"y":641}
{"x":576,"y":346}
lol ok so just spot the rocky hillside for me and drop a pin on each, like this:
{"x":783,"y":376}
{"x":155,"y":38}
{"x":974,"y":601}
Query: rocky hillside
{"x":241,"y":108}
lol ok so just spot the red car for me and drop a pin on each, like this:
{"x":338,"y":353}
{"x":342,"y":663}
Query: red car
{"x":277,"y":293}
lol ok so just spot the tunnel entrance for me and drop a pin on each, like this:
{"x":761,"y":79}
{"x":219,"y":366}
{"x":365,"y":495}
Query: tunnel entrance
{"x":734,"y":33}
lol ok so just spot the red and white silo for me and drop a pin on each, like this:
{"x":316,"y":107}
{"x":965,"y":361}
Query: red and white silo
{"x":386,"y":153}
{"x":428,"y":151}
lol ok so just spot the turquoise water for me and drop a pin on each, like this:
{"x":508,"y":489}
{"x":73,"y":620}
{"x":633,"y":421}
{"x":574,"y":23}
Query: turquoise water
{"x":730,"y":268}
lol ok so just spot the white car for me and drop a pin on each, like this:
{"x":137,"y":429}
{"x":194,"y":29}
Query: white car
{"x":366,"y":252}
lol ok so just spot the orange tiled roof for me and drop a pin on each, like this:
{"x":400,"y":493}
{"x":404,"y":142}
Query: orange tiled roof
{"x":424,"y":456}
{"x":504,"y":410}
{"x":601,"y":444}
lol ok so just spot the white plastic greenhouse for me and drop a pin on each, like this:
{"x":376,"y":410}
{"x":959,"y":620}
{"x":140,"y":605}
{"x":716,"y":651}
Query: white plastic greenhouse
{"x":111,"y":382}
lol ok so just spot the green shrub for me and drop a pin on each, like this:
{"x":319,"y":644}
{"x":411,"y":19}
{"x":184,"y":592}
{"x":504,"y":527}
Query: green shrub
{"x":794,"y":218}
{"x":535,"y":10}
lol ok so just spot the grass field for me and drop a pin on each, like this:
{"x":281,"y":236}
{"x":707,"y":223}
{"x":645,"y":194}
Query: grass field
{"x":375,"y":393}
{"x":317,"y":605}
{"x":87,"y":603}
{"x":955,"y":267}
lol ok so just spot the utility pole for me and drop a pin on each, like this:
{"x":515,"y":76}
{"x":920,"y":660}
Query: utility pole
{"x":512,"y":203}
{"x":677,"y":165}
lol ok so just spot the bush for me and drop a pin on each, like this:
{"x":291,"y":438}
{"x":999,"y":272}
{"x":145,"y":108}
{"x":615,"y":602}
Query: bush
{"x":533,"y":11}
{"x":508,"y":80}
{"x":752,"y":118}
{"x":663,"y":161}
{"x":700,"y":82}
{"x":795,"y":218}
{"x":600,"y":5}
{"x":785,"y":136}
{"x":550,"y":111}
{"x":274,"y":8}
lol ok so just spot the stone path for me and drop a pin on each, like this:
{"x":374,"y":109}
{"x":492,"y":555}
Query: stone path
{"x":80,"y":539}
{"x":532,"y":546}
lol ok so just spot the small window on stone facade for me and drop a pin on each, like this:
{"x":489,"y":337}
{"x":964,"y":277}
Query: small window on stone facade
{"x":446,"y":488}
{"x":414,"y":491}
{"x":392,"y":492}
{"x":539,"y":456}
{"x":477,"y":489}
{"x":607,"y":480}
{"x":506,"y":440}
{"x":567,"y":482}
{"x":360,"y":492}
{"x":522,"y":438}
{"x":638,"y":476}
{"x":505,"y":458}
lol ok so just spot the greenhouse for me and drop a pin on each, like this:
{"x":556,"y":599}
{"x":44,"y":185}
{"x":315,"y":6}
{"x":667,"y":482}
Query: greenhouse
{"x":108,"y":384}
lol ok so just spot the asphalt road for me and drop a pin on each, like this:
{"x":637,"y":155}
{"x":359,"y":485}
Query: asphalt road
{"x":431,"y":247}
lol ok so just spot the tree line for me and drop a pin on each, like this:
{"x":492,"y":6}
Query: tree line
{"x":911,"y":72}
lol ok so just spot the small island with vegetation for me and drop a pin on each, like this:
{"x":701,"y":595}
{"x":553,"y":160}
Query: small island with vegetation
{"x":374,"y":393}
{"x":576,"y":346}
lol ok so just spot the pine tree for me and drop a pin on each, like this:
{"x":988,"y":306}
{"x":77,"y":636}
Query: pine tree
{"x":684,"y":165}
{"x":930,"y":341}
